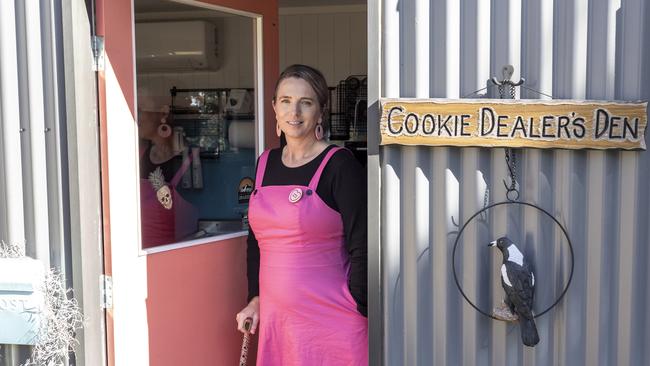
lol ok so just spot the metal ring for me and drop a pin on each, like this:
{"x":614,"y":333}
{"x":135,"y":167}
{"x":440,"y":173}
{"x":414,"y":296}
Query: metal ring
{"x":453,"y":257}
{"x":516,"y":197}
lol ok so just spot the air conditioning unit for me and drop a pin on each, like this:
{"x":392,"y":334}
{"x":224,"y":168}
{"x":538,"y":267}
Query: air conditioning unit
{"x":176,"y":46}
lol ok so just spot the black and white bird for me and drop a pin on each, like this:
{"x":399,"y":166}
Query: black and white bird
{"x":518,"y":281}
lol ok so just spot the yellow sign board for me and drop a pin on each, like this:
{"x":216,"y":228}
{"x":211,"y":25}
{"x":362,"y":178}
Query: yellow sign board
{"x":565,"y":124}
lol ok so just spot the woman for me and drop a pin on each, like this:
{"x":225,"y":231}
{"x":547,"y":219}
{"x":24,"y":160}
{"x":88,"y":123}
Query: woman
{"x":307,"y":248}
{"x":166,"y":216}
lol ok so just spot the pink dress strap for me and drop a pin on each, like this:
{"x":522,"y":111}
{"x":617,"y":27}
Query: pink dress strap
{"x":316,"y":178}
{"x":179,"y":174}
{"x":261,"y":168}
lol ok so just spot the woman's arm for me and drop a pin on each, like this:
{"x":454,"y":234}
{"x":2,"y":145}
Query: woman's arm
{"x":350,"y":194}
{"x":252,"y":265}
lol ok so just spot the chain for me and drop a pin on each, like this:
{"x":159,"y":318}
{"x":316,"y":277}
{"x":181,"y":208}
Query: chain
{"x":512,"y":193}
{"x":502,"y":90}
{"x":512,"y":91}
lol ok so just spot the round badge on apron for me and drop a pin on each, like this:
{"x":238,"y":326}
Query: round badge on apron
{"x":295,"y":195}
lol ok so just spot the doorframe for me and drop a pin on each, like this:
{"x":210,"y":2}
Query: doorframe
{"x":375,"y":280}
{"x":83,"y":159}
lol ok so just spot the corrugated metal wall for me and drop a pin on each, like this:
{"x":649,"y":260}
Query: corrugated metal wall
{"x":33,"y":193}
{"x":574,"y":49}
{"x":30,"y":128}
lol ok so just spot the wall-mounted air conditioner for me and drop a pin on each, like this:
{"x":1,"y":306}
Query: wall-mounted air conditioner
{"x":176,"y":46}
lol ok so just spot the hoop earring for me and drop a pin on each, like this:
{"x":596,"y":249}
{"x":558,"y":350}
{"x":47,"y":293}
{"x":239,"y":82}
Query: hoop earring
{"x":164,"y":130}
{"x":319,"y":132}
{"x":278,"y":131}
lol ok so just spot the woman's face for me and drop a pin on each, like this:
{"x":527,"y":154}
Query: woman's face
{"x":148,"y":124}
{"x":297,"y":109}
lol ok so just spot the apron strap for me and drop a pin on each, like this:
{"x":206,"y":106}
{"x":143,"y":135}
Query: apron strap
{"x":261,"y":168}
{"x":187,"y":159}
{"x":314,"y":180}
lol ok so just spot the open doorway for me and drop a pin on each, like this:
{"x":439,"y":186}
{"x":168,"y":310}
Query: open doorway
{"x":331,"y":36}
{"x":188,"y":289}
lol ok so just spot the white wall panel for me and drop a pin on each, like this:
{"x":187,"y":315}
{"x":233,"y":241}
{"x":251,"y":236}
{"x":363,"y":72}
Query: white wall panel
{"x":332,"y":39}
{"x":326,"y":53}
{"x":577,"y":49}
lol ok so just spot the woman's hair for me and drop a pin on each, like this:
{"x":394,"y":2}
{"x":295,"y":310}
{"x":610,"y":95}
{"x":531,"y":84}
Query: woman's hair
{"x":313,"y":77}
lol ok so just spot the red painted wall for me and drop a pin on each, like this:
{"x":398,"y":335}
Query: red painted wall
{"x":193,"y":296}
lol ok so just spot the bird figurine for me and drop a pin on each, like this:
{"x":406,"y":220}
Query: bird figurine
{"x":518,"y":281}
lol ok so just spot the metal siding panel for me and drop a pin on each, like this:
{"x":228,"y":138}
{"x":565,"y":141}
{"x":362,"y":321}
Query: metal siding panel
{"x":641,"y":273}
{"x":505,"y":38}
{"x":376,"y":302}
{"x":55,"y":140}
{"x":408,"y":264}
{"x":31,"y":161}
{"x":537,"y":47}
{"x":601,"y":49}
{"x":407,"y":50}
{"x":452,"y":176}
{"x":11,"y":126}
{"x":468,"y":272}
{"x":575,"y":49}
{"x":626,"y":243}
{"x":36,"y":100}
{"x":474,"y":42}
{"x":26,"y":136}
{"x":594,"y":252}
{"x":439,"y":254}
{"x":24,"y":192}
{"x":423,"y":221}
{"x":391,"y":256}
{"x":531,"y":193}
{"x":390,"y":49}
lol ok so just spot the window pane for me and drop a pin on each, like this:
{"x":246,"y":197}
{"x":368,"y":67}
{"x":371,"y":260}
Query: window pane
{"x":196,"y":123}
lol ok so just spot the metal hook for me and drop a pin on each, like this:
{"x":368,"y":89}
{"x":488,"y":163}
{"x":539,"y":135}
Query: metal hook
{"x":510,"y":190}
{"x":510,"y":162}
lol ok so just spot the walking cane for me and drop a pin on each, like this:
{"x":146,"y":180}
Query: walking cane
{"x":244,"y":345}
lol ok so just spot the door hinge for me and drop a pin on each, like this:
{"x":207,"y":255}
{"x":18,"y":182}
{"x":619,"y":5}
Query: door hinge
{"x":97,"y":44}
{"x":106,"y":291}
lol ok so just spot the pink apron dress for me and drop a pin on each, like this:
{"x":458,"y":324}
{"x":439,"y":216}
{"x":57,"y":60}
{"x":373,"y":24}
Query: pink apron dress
{"x":162,"y":226}
{"x":307,"y":314}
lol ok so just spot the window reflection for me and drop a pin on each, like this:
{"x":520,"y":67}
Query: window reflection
{"x":195,"y":123}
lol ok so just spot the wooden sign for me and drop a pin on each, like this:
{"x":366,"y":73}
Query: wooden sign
{"x":566,"y":124}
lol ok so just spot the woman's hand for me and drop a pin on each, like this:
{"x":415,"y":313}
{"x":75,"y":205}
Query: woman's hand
{"x":252,"y":310}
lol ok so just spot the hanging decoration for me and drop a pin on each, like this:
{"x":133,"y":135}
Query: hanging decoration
{"x":516,"y":273}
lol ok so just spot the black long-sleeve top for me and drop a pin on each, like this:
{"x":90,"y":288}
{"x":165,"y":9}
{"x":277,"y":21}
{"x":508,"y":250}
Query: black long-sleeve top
{"x":342,"y":187}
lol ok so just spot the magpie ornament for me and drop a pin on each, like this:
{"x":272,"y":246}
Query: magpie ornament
{"x":518,"y":281}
